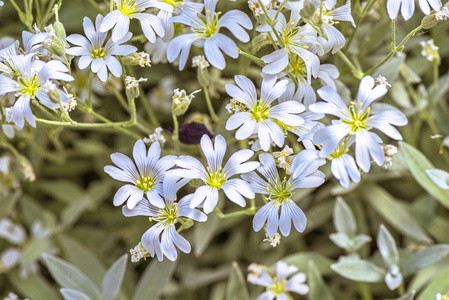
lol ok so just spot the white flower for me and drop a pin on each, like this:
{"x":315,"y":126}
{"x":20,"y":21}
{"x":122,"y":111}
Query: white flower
{"x":216,"y":177}
{"x":162,"y":238}
{"x":206,"y":34}
{"x":9,"y":258}
{"x":15,"y":234}
{"x":343,"y":166}
{"x":262,"y":117}
{"x":138,"y":252}
{"x":274,"y":240}
{"x":442,"y":297}
{"x":297,"y":41}
{"x":381,"y":80}
{"x":429,"y":50}
{"x":279,"y":285}
{"x":357,"y":121}
{"x":156,"y":136}
{"x":28,"y":84}
{"x":146,"y":179}
{"x":200,"y":62}
{"x":93,"y":50}
{"x":443,"y":14}
{"x":132,"y":86}
{"x":181,"y":101}
{"x":134,"y":9}
{"x":335,"y":39}
{"x":408,"y":7}
{"x":281,"y":210}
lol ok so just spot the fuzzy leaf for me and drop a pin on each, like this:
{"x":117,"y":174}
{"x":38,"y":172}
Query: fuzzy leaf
{"x":68,"y":276}
{"x":153,"y":280}
{"x":318,"y":289}
{"x":359,"y":270}
{"x":71,"y":294}
{"x":418,"y":165}
{"x":344,"y":220}
{"x":425,"y":258}
{"x":387,"y":246}
{"x":301,"y":261}
{"x":236,"y":288}
{"x":439,"y":177}
{"x":113,"y":278}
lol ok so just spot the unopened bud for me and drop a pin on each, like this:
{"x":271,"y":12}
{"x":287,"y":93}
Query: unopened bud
{"x":132,"y":87}
{"x":26,"y":168}
{"x":139,"y":58}
{"x":52,"y":91}
{"x":181,"y":101}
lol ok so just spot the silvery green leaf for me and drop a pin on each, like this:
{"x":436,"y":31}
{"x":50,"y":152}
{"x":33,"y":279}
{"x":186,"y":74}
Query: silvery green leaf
{"x":236,"y":288}
{"x":438,"y":284}
{"x":33,"y":249}
{"x":359,"y":270}
{"x":395,"y":213}
{"x":301,"y":261}
{"x":151,"y":285}
{"x":71,"y":294}
{"x":35,"y":286}
{"x":341,"y":240}
{"x":360,"y":240}
{"x":204,"y":232}
{"x":408,"y":296}
{"x":425,"y":258}
{"x":418,"y":165}
{"x":387,"y":246}
{"x":400,"y":94}
{"x":113,"y":278}
{"x":68,"y":276}
{"x":409,"y":74}
{"x":344,"y":220}
{"x":442,"y":87}
{"x":439,"y":177}
{"x":318,"y":288}
{"x":391,"y":69}
{"x":393,"y":281}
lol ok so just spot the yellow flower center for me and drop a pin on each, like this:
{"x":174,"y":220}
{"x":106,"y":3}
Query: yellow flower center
{"x":208,"y":29}
{"x":278,"y":288}
{"x":260,"y":112}
{"x":280,"y":192}
{"x":339,"y":151}
{"x":128,"y":8}
{"x":215,"y":179}
{"x":168,"y":215}
{"x":29,"y":86}
{"x":97,"y":53}
{"x":145,"y":183}
{"x":357,"y":119}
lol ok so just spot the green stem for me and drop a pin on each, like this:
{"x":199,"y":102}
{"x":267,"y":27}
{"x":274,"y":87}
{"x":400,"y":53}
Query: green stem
{"x":401,"y":290}
{"x":399,"y":48}
{"x":249,"y":211}
{"x":254,"y":58}
{"x":175,"y":135}
{"x":366,"y":10}
{"x":364,"y":290}
{"x":357,"y":73}
{"x":89,"y":97}
{"x":212,"y":113}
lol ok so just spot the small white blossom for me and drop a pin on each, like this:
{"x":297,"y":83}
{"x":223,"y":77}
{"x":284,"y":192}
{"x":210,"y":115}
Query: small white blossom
{"x":132,"y":86}
{"x":200,"y":61}
{"x":443,"y":14}
{"x":156,"y":136}
{"x":15,"y":234}
{"x":429,"y":50}
{"x":254,"y":271}
{"x":72,"y":103}
{"x":181,"y":101}
{"x":146,"y":179}
{"x":278,"y":285}
{"x":389,"y":151}
{"x":93,"y":50}
{"x":138,"y":252}
{"x":234,"y":106}
{"x":440,"y":296}
{"x":216,"y":177}
{"x":274,"y":240}
{"x":144,"y":59}
{"x":381,"y":80}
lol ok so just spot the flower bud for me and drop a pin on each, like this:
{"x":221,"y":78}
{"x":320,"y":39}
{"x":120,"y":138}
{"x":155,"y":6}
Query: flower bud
{"x":132,"y":87}
{"x":181,"y":101}
{"x":139,"y":58}
{"x":26,"y":168}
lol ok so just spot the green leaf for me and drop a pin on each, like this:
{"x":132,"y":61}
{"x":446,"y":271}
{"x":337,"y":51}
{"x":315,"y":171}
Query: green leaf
{"x":153,"y":280}
{"x":33,"y":249}
{"x":359,"y":270}
{"x":408,"y":296}
{"x":418,"y":165}
{"x":204,"y":232}
{"x":344,"y":220}
{"x":439,"y":284}
{"x":68,"y":276}
{"x":71,"y":294}
{"x":439,"y":177}
{"x":301,"y":261}
{"x":236,"y":288}
{"x":425,"y":258}
{"x":62,"y":190}
{"x":318,"y":289}
{"x":77,"y":254}
{"x":113,"y":278}
{"x":8,"y":203}
{"x":395,"y":213}
{"x":34,"y":286}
